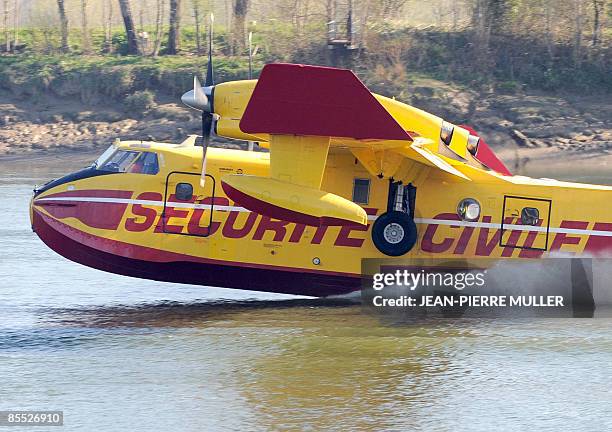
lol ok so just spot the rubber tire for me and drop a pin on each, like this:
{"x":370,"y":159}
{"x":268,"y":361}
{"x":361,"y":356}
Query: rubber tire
{"x":394,"y":249}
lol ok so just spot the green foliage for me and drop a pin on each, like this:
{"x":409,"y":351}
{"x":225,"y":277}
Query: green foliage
{"x":510,"y":63}
{"x":111,"y":77}
{"x":394,"y":55}
{"x":139,"y":102}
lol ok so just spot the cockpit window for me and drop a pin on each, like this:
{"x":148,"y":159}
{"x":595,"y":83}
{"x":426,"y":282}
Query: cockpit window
{"x":145,"y":164}
{"x":129,"y":161}
{"x":120,"y":161}
{"x":104,"y":156}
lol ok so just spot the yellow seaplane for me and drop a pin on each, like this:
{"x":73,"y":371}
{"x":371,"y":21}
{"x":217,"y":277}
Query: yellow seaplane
{"x":349,"y":175}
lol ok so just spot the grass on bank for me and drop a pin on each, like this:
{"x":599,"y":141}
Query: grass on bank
{"x":393,"y":57}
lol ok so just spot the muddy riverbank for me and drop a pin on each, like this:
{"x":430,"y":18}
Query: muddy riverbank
{"x":534,"y":133}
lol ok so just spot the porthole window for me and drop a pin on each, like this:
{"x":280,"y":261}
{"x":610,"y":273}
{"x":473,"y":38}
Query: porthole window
{"x":184,"y":192}
{"x":361,"y":191}
{"x":530,"y":216}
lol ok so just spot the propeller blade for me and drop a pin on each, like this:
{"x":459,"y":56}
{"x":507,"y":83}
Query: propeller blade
{"x":210,"y":79}
{"x":250,"y":55}
{"x":198,"y":93}
{"x":207,"y":122}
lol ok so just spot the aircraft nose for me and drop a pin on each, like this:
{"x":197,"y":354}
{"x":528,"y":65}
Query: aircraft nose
{"x":32,"y":213}
{"x":68,"y":178}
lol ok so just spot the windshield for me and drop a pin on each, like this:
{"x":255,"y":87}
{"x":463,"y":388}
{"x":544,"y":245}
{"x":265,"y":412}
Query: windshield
{"x":104,"y":156}
{"x":128,"y":161}
{"x":119,"y":161}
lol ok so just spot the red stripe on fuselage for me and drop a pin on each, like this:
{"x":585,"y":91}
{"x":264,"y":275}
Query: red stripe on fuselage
{"x":101,"y":215}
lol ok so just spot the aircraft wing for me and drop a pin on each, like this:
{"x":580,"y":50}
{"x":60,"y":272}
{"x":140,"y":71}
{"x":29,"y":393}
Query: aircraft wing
{"x":304,"y":110}
{"x":427,"y":157}
{"x":317,"y":101}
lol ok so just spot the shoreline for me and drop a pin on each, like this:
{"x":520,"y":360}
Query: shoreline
{"x":534,"y":133}
{"x":549,"y":162}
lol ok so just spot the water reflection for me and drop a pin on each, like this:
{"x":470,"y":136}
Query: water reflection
{"x":124,"y":354}
{"x":180,"y":314}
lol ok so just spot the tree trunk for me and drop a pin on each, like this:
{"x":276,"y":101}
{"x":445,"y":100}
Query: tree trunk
{"x":228,"y":17}
{"x":239,"y":31}
{"x":174,"y":34}
{"x":598,"y":6}
{"x":16,"y":26}
{"x":143,"y":36}
{"x":548,"y":29}
{"x":196,"y":16}
{"x":107,"y":18}
{"x":142,"y":6}
{"x":455,"y":11}
{"x":63,"y":25}
{"x":578,"y":32}
{"x":85,"y":29}
{"x":161,"y":5}
{"x":7,"y":32}
{"x":479,"y":24}
{"x":363,"y":31}
{"x":128,"y":21}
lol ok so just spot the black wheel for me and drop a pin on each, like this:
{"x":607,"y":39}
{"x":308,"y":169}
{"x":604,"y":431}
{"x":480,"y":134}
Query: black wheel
{"x":394,"y":233}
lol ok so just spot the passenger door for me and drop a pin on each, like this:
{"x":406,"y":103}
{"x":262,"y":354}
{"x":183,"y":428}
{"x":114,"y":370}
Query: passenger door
{"x":188,"y":207}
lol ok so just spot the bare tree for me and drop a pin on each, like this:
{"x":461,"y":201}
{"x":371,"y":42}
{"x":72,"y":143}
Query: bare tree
{"x":107,"y":18}
{"x":488,"y":17}
{"x":86,"y":41}
{"x":161,"y":6}
{"x":239,"y":25}
{"x":63,"y":25}
{"x":390,"y":8}
{"x":16,"y":25}
{"x":578,"y":30}
{"x":197,"y":15}
{"x":455,"y":13}
{"x":143,"y":36}
{"x":330,"y":10}
{"x":598,"y":6}
{"x":128,"y":21}
{"x":228,"y":15}
{"x":174,"y":34}
{"x":548,"y":28}
{"x":142,"y":7}
{"x":7,"y":32}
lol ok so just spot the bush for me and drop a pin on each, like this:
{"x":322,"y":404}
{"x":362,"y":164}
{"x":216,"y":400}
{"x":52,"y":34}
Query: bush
{"x":140,"y":102}
{"x":508,"y":87}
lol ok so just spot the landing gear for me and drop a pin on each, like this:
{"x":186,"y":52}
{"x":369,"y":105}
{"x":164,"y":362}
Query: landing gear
{"x":394,"y":233}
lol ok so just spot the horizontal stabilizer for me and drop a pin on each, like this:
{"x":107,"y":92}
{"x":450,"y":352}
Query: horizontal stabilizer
{"x":290,"y":202}
{"x":292,"y":99}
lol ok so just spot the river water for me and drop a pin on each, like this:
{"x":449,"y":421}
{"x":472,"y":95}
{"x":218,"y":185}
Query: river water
{"x":122,"y":354}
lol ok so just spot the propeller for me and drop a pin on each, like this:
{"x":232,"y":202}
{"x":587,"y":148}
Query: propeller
{"x":201,"y":99}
